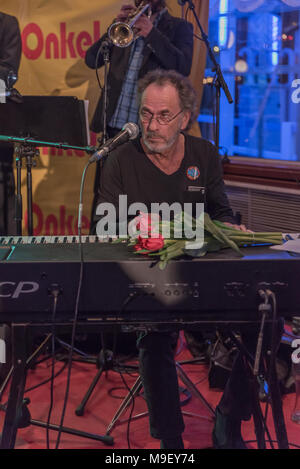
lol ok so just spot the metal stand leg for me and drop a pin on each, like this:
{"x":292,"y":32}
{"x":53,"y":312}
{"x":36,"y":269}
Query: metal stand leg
{"x":29,"y":151}
{"x":258,"y":419}
{"x":16,"y":408}
{"x":132,"y":393}
{"x":276,"y":399}
{"x":15,"y":400}
{"x":5,"y":382}
{"x":194,"y":391}
{"x":137,"y":387}
{"x":107,"y":362}
{"x":274,"y":391}
{"x":80,"y":409}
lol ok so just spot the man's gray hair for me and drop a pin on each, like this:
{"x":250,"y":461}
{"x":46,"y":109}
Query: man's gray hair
{"x":186,"y":93}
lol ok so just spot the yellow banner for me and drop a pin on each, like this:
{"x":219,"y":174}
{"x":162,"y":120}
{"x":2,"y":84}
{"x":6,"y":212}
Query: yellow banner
{"x":55,"y":37}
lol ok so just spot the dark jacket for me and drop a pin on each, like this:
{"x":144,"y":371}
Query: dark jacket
{"x":10,"y":57}
{"x":10,"y":45}
{"x":168,"y":46}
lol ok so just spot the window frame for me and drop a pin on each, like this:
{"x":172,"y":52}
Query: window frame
{"x":283,"y":174}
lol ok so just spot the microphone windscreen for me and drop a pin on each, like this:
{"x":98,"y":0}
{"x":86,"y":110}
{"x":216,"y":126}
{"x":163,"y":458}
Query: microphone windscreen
{"x":132,"y":129}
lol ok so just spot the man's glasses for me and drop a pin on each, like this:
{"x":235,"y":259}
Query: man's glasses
{"x":162,"y":119}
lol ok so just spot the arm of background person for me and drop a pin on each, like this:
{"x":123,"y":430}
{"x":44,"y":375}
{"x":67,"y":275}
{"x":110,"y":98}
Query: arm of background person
{"x":173,"y":55}
{"x":11,"y":46}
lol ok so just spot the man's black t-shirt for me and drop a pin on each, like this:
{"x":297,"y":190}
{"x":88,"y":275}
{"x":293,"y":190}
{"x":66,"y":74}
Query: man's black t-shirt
{"x":129,"y":171}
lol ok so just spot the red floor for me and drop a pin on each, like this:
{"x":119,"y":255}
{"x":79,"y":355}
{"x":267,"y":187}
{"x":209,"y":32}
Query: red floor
{"x":105,"y":401}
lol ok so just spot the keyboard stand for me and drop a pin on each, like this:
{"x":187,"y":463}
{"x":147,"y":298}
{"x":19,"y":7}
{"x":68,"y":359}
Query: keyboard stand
{"x":16,"y":412}
{"x":15,"y":405}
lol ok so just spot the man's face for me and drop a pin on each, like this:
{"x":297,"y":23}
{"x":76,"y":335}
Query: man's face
{"x":161,"y":102}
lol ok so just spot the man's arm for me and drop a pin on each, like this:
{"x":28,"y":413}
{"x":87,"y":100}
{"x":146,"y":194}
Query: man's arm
{"x":217,"y":202}
{"x":11,"y":46}
{"x":218,"y":206}
{"x":176,"y":55}
{"x":109,"y":189}
{"x":110,"y":182}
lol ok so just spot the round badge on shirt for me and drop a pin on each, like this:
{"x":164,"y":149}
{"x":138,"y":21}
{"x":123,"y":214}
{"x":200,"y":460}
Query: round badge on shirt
{"x":193,"y":173}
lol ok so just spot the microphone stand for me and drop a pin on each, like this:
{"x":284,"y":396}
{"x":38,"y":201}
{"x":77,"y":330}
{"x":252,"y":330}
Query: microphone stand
{"x":28,"y":148}
{"x":28,"y":152}
{"x":104,"y":50}
{"x":219,"y":81}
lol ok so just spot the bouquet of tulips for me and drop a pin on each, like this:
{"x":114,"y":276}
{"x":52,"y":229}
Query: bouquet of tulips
{"x":152,"y":240}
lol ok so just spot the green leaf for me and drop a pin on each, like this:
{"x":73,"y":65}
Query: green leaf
{"x":219,"y":234}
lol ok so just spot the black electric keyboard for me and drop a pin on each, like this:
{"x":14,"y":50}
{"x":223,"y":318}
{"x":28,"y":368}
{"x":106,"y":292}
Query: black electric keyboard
{"x":119,"y":283}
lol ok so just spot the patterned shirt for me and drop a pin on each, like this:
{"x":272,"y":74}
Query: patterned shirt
{"x":127,"y":109}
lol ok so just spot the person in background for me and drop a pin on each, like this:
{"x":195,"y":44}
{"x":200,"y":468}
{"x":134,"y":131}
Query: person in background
{"x":10,"y":57}
{"x":161,"y":41}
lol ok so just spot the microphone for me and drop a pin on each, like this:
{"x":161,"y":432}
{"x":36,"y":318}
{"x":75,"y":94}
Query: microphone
{"x":130,"y":131}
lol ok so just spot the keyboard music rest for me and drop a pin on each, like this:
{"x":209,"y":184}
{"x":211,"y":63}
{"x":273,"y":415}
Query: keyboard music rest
{"x":219,"y":284}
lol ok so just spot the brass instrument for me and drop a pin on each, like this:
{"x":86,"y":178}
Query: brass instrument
{"x":121,"y":33}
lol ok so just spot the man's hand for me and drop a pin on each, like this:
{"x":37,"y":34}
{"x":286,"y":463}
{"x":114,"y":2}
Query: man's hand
{"x":143,"y":26}
{"x":125,"y":11}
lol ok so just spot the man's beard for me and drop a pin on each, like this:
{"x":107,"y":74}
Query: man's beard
{"x":162,"y":144}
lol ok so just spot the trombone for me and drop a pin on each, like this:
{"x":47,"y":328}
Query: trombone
{"x":121,"y":33}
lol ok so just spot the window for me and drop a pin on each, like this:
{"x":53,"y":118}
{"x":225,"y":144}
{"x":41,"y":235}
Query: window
{"x":257,"y":44}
